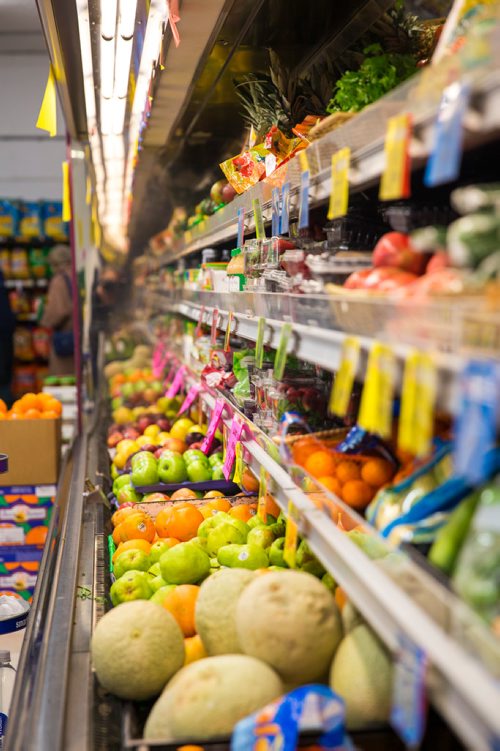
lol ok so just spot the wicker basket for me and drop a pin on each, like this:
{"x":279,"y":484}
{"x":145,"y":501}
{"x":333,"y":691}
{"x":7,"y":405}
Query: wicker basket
{"x":332,"y":122}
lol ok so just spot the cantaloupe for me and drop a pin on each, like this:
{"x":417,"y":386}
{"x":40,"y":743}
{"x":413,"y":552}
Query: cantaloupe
{"x":136,"y":647}
{"x":215,"y":615}
{"x":289,"y":620}
{"x":208,"y":697}
{"x":361,"y":674}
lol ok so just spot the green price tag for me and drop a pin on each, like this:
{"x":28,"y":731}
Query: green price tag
{"x":259,"y":344}
{"x":291,"y":535}
{"x":259,"y":222}
{"x":281,"y":352}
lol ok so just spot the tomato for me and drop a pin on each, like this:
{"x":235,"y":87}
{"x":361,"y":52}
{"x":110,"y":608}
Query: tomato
{"x":394,"y":249}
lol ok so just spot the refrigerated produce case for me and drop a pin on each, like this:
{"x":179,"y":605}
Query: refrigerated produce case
{"x":193,"y":121}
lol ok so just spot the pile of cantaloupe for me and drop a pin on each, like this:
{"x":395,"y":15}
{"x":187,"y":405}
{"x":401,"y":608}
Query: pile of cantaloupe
{"x":264,"y":634}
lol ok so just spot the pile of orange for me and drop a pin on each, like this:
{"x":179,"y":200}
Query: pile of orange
{"x":132,"y":524}
{"x":32,"y":407}
{"x":180,"y":522}
{"x":354,"y":481}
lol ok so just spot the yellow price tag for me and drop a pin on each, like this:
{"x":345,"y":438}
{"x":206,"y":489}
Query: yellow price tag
{"x":291,"y":535}
{"x":238,"y":463}
{"x":66,"y":194}
{"x":418,"y":399}
{"x":227,"y":338}
{"x":395,"y":181}
{"x":339,"y":195}
{"x":344,"y":378}
{"x":304,"y":161}
{"x":262,"y":502}
{"x":375,"y":413}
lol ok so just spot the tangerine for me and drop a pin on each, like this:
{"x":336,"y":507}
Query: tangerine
{"x":377,"y":472}
{"x":218,"y":504}
{"x":171,"y":541}
{"x":28,"y":401}
{"x":181,"y":603}
{"x":348,"y":471}
{"x":51,"y":404}
{"x":136,"y":526}
{"x":332,"y":483}
{"x":321,"y":464}
{"x":49,"y":414}
{"x":243,"y":512}
{"x":32,"y":414}
{"x":121,"y":514}
{"x":303,"y":448}
{"x":182,"y":494}
{"x":357,"y":494}
{"x":139,"y":544}
{"x":181,"y":523}
{"x":340,"y":598}
{"x":3,"y":406}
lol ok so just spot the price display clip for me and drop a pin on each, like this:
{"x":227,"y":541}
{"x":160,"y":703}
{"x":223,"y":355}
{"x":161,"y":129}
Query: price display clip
{"x":275,"y":219}
{"x":285,"y":209}
{"x":198,"y":330}
{"x":281,"y":352}
{"x":238,"y":465}
{"x":304,"y":199}
{"x":259,"y":342}
{"x":446,"y":155}
{"x":241,"y":227}
{"x":418,"y":398}
{"x":291,"y":535}
{"x":339,"y":195}
{"x":408,"y":713}
{"x":375,"y":413}
{"x":227,"y":338}
{"x":395,"y":182}
{"x":213,"y":330}
{"x":344,"y":378}
{"x":262,"y":502}
{"x":259,"y":221}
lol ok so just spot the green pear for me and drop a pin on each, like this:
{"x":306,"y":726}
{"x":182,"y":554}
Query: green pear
{"x":184,"y":564}
{"x":243,"y":556}
{"x":261,"y":536}
{"x":224,"y":534}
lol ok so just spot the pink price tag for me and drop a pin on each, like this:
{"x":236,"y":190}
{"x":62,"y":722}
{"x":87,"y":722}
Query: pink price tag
{"x":214,"y":424}
{"x":176,"y":383}
{"x":234,"y":437}
{"x":190,"y":397}
{"x":159,"y":366}
{"x":197,"y":332}
{"x":213,"y":331}
{"x":169,"y":378}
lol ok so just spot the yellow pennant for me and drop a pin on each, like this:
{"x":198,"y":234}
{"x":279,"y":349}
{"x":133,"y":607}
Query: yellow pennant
{"x":304,"y":161}
{"x":66,"y":200}
{"x":339,"y":195}
{"x":47,"y":117}
{"x":344,"y":378}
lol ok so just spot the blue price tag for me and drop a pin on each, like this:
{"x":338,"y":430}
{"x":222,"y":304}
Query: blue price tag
{"x":285,"y":209}
{"x":475,"y":429}
{"x":241,"y":227}
{"x":446,"y":155}
{"x":409,"y":705}
{"x":275,"y":220}
{"x":304,"y":200}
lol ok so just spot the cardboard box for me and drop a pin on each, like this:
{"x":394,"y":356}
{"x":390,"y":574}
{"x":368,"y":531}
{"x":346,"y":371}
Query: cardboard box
{"x":19,"y":577}
{"x":25,"y":513}
{"x":34,"y":451}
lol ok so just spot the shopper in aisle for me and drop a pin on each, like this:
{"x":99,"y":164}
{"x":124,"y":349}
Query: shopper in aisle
{"x":7,"y":326}
{"x":58,"y":313}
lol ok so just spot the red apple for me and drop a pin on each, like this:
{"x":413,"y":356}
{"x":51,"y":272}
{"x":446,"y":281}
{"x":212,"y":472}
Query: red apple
{"x":440,"y":260}
{"x":394,"y":249}
{"x":131,"y":433}
{"x":114,"y":439}
{"x":357,"y":279}
{"x":386,"y":279}
{"x":228,"y":193}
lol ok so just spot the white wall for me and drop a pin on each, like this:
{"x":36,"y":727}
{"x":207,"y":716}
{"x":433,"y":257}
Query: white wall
{"x":30,"y":161}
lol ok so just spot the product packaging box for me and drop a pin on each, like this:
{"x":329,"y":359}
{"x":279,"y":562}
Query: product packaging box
{"x":34,"y":451}
{"x":25,"y":513}
{"x":19,"y":576}
{"x":31,"y":219}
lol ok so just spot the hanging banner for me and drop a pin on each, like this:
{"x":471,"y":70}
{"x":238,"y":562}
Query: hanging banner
{"x":47,"y":117}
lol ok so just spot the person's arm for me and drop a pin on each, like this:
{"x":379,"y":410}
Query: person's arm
{"x":58,"y":306}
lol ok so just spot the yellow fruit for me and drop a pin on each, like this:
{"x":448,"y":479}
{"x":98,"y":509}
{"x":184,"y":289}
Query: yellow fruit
{"x":152,"y":430}
{"x":194,"y":649}
{"x":162,"y":437}
{"x":180,"y":428}
{"x":144,"y":440}
{"x":126,"y":446}
{"x":120,"y":460}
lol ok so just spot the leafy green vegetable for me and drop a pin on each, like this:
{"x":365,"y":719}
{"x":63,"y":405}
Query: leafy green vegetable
{"x":379,"y":73}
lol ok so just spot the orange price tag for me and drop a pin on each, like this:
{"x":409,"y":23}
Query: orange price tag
{"x":291,"y":535}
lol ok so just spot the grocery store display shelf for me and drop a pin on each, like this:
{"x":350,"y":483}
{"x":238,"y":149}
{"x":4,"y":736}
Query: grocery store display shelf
{"x":364,"y":135}
{"x":14,"y":283}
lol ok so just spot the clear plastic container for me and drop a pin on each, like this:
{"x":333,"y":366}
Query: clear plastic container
{"x":7,"y":680}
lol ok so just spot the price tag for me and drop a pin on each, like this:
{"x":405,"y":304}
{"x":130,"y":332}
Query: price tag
{"x":339,"y":196}
{"x":285,"y":209}
{"x":408,"y":713}
{"x":190,"y":397}
{"x":259,"y":222}
{"x":188,"y":236}
{"x":344,"y":378}
{"x":418,"y":398}
{"x":281,"y":352}
{"x":304,"y":161}
{"x":275,"y":221}
{"x":291,"y":535}
{"x":199,"y":325}
{"x":375,"y":413}
{"x":176,"y":383}
{"x":259,"y":344}
{"x":270,"y":163}
{"x":446,"y":155}
{"x":213,"y":330}
{"x":395,"y":182}
{"x":241,"y":227}
{"x":227,"y":346}
{"x":262,"y":502}
{"x":304,"y":200}
{"x":234,"y":437}
{"x":238,"y":466}
{"x":213,"y":425}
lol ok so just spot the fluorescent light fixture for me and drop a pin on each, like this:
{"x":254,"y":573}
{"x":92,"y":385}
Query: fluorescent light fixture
{"x":108,"y":18}
{"x":107,"y":67}
{"x":119,"y":106}
{"x":126,"y":25}
{"x":106,"y":116}
{"x":122,"y":66}
{"x":86,"y":55}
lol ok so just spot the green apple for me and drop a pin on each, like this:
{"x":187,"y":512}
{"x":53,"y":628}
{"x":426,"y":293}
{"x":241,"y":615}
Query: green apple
{"x":240,"y":525}
{"x":276,"y":552}
{"x":184,"y":564}
{"x":114,"y":472}
{"x":116,"y":402}
{"x":223,"y":534}
{"x":133,"y":585}
{"x":157,"y":582}
{"x":157,"y":549}
{"x":217,"y":473}
{"x":215,"y":459}
{"x":255,"y":521}
{"x":155,"y":569}
{"x":212,"y":522}
{"x":198,"y":471}
{"x":329,"y":581}
{"x":305,"y":560}
{"x":201,"y":541}
{"x":120,"y":481}
{"x":261,"y":536}
{"x":131,"y":560}
{"x":194,"y":454}
{"x":161,"y":593}
{"x":171,"y":467}
{"x":243,"y":556}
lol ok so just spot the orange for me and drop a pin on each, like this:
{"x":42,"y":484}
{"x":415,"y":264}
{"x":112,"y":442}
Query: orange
{"x":36,"y":536}
{"x":32,"y":414}
{"x":139,"y":544}
{"x":184,"y":748}
{"x":3,"y":415}
{"x":243,"y":512}
{"x":321,"y":464}
{"x":271,"y":506}
{"x":171,"y":541}
{"x":377,"y":472}
{"x":52,"y":405}
{"x":3,"y":406}
{"x":249,"y":482}
{"x":120,"y":515}
{"x":194,"y":649}
{"x":332,"y":483}
{"x":183,"y":494}
{"x":49,"y":415}
{"x":136,"y":526}
{"x":357,"y":494}
{"x":29,"y":401}
{"x":116,"y":535}
{"x":181,"y":603}
{"x":181,"y":523}
{"x":218,"y":504}
{"x":348,"y":471}
{"x":340,"y":598}
{"x":303,"y":448}
{"x":17,"y":408}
